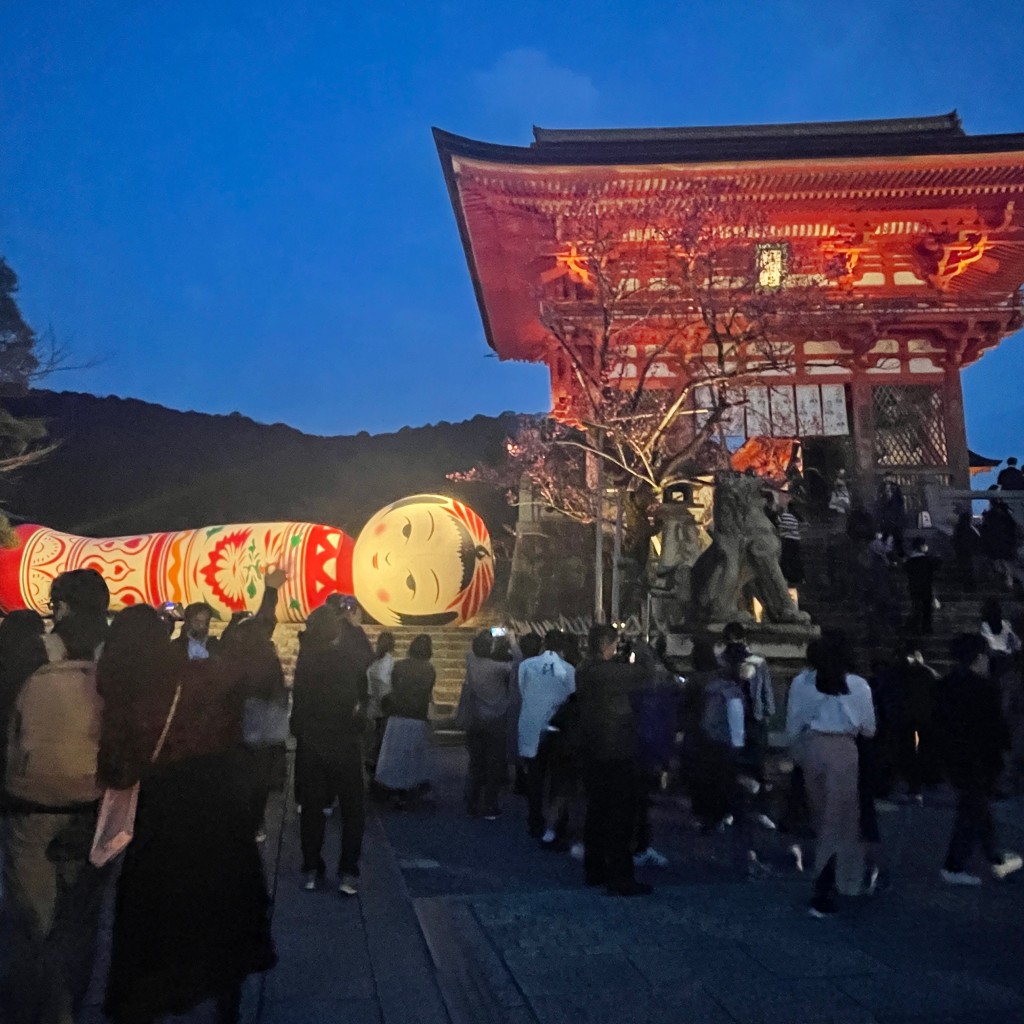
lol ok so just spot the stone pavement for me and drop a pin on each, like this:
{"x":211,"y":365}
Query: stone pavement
{"x":465,"y":920}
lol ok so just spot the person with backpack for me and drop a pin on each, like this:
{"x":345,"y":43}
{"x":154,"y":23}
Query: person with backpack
{"x":21,"y":653}
{"x":51,"y":893}
{"x":752,"y":672}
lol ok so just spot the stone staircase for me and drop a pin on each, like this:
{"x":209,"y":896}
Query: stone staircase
{"x":843,"y":606}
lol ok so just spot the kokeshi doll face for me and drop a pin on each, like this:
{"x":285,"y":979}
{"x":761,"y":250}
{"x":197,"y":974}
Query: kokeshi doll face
{"x":424,"y":560}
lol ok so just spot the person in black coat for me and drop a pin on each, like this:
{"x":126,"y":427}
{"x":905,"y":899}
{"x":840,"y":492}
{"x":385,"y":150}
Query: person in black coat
{"x":974,"y":735}
{"x":1011,"y":478}
{"x":1000,"y":537}
{"x":328,"y":721}
{"x":966,"y":548}
{"x":890,"y":508}
{"x":608,"y":740}
{"x":920,"y":569}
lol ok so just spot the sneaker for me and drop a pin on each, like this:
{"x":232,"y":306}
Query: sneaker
{"x":576,"y":851}
{"x":797,"y":853}
{"x":765,"y":822}
{"x":871,"y":880}
{"x":650,"y":858}
{"x":823,"y":910}
{"x":347,"y":885}
{"x":959,"y":878}
{"x":492,"y":815}
{"x":261,"y":836}
{"x":548,"y":837}
{"x":311,"y":880}
{"x":1011,"y":862}
{"x":749,"y":785}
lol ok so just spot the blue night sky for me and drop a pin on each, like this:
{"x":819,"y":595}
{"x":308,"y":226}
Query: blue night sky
{"x":238,"y":206}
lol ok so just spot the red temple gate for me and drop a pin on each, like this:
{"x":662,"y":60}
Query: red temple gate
{"x":898,"y":246}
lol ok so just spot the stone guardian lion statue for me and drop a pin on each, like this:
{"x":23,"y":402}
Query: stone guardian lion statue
{"x":742,"y":561}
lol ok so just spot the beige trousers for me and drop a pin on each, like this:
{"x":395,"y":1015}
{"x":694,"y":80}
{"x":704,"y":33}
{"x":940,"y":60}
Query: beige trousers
{"x":830,"y":774}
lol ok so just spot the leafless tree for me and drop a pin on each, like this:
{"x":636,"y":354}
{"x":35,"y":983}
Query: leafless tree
{"x":655,"y":330}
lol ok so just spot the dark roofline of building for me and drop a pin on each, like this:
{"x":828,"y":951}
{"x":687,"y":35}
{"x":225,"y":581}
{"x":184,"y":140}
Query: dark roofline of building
{"x":894,"y":137}
{"x":947,"y":125}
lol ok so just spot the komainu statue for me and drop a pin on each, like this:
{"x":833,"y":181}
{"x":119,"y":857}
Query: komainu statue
{"x":743,"y":560}
{"x":682,"y":542}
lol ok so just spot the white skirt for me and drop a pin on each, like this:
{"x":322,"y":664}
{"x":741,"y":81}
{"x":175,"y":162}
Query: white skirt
{"x":402,"y":763}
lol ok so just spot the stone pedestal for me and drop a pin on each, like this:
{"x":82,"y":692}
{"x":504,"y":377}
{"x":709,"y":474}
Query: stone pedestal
{"x":776,"y":641}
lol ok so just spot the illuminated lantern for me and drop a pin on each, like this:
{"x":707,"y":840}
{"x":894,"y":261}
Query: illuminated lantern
{"x":224,"y":565}
{"x":424,"y":560}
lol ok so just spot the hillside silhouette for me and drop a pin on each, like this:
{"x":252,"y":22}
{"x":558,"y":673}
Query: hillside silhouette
{"x":125,"y":466}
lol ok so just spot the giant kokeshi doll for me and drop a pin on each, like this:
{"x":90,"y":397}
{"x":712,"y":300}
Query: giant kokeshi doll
{"x":425,"y":559}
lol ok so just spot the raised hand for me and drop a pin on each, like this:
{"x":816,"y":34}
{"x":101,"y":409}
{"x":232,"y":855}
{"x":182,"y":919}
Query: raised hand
{"x":275,"y":577}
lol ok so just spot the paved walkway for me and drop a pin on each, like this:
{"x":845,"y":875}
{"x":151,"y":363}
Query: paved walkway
{"x":463,"y":920}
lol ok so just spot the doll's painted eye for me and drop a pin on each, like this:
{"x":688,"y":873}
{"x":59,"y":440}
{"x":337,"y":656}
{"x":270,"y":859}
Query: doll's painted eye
{"x":407,"y":529}
{"x":411,"y":583}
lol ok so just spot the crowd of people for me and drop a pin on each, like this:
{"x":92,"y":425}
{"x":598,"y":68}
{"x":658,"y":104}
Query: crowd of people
{"x":197,"y":726}
{"x":592,"y":737}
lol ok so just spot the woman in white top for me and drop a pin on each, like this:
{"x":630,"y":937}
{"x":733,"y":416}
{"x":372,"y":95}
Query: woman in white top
{"x":378,"y":678}
{"x":1002,"y":642}
{"x":828,"y":709}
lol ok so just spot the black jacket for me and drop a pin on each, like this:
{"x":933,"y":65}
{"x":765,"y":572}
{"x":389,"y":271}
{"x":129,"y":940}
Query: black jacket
{"x":920,"y":570}
{"x":329,"y":692}
{"x":412,"y":683}
{"x":971,"y":729}
{"x":607,"y":726}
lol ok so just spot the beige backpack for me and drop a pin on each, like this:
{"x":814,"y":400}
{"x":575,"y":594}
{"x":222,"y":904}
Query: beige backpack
{"x":53,"y":737}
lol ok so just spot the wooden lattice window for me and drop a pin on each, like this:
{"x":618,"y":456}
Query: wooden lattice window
{"x":909,"y":427}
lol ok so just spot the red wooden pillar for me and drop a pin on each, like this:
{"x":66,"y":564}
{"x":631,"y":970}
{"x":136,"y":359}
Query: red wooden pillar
{"x":862,"y":407}
{"x":956,"y":429}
